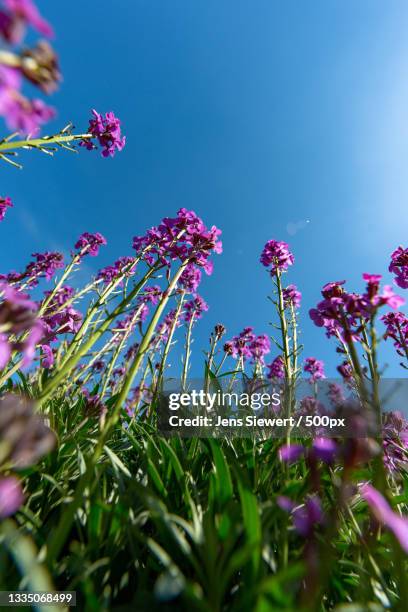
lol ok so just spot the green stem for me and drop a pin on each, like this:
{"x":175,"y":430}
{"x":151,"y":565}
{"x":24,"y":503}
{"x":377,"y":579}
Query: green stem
{"x":10,"y":145}
{"x":188,"y":352}
{"x":73,"y":360}
{"x":144,"y":345}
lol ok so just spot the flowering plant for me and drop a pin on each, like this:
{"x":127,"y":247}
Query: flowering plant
{"x":92,"y":495}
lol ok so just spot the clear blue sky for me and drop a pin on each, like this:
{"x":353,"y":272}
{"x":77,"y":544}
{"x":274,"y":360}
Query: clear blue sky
{"x":258,"y":115}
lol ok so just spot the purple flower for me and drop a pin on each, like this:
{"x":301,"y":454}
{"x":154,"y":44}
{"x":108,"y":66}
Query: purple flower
{"x":276,"y":256}
{"x":22,"y":13}
{"x":333,"y":289}
{"x":388,"y":297}
{"x":11,"y":496}
{"x":324,"y":449}
{"x":385,"y":515}
{"x":397,"y":328}
{"x":47,"y":357}
{"x":240,"y":346}
{"x":285,"y":503}
{"x":290,"y":453}
{"x":291,"y":297}
{"x":259,"y":347}
{"x":195,"y":308}
{"x":5,"y":203}
{"x":88,"y":244}
{"x":335,"y":394}
{"x":17,"y":316}
{"x":345,"y":370}
{"x":169,"y":321}
{"x":45,"y":265}
{"x":183,"y":238}
{"x":342,"y":314}
{"x":152,"y":295}
{"x":122,"y":267}
{"x":94,"y":406}
{"x":108,"y":133}
{"x":276,"y":369}
{"x":190,"y":278}
{"x":60,"y":317}
{"x":306,"y":517}
{"x":20,"y":113}
{"x":25,"y":435}
{"x":315,"y":368}
{"x":399,"y":266}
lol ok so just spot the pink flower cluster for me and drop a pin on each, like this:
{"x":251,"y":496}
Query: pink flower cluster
{"x":276,"y":256}
{"x":342,"y":313}
{"x":17,"y":15}
{"x":276,"y":369}
{"x":17,"y":317}
{"x":5,"y":204}
{"x":107,"y":131}
{"x":399,"y":266}
{"x":315,"y":368}
{"x":184,"y":238}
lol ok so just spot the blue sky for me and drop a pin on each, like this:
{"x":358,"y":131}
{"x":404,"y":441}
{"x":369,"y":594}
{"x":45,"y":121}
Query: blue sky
{"x":269,"y":119}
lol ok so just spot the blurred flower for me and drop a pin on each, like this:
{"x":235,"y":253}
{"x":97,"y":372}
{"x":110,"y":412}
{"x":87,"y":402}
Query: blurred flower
{"x":277,"y":256}
{"x":306,"y":517}
{"x":94,"y":406}
{"x":345,"y":370}
{"x":47,"y":356}
{"x":40,"y":66}
{"x":19,"y":14}
{"x":17,"y":315}
{"x":11,"y":496}
{"x":324,"y":449}
{"x":335,"y":394}
{"x":108,"y":133}
{"x":290,"y":453}
{"x":24,"y":436}
{"x":385,"y":515}
{"x":5,"y":203}
{"x":20,"y":113}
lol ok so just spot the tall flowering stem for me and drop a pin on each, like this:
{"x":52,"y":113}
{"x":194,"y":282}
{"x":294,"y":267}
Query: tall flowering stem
{"x":169,"y":341}
{"x":119,"y":348}
{"x":9,"y":147}
{"x":74,"y":357}
{"x":187,"y":354}
{"x":144,"y":345}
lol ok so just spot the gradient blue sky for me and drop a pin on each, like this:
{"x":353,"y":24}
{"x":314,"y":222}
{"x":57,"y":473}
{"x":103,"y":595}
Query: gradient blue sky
{"x":260,"y":116}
